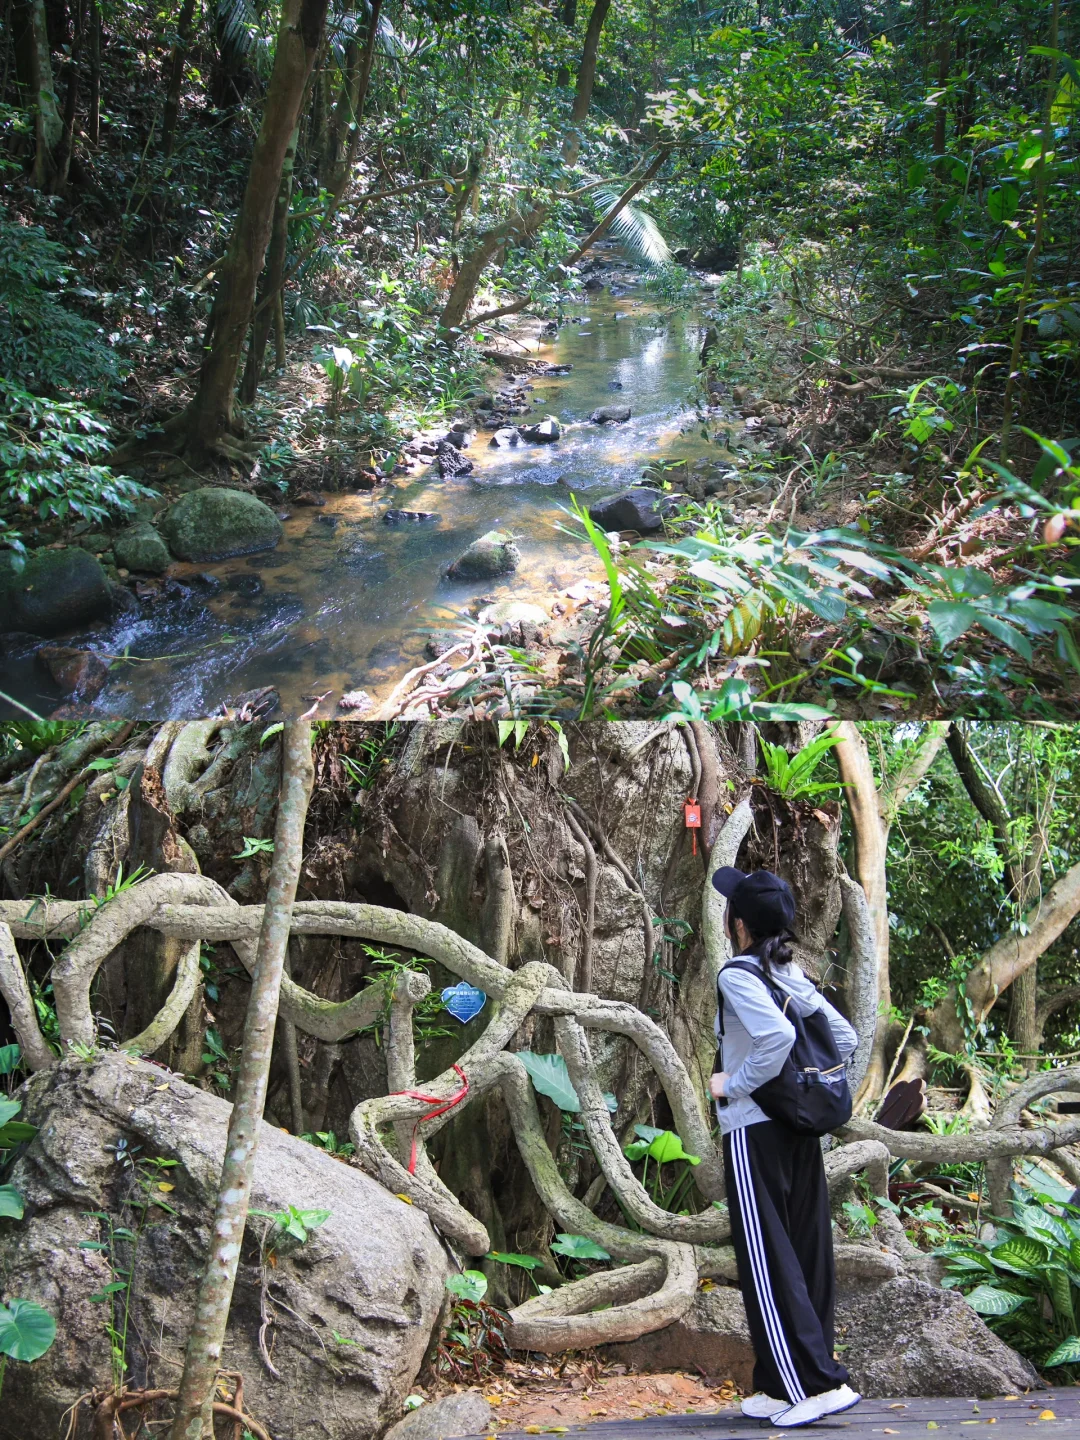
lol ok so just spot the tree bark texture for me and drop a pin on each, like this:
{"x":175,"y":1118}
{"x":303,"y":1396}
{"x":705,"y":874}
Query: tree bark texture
{"x":192,"y":1418}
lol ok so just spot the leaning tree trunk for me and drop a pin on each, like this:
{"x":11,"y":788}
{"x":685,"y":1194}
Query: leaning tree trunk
{"x":525,"y":222}
{"x":209,"y":425}
{"x":273,"y":276}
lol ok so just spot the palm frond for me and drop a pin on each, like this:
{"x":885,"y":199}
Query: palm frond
{"x":634,"y":229}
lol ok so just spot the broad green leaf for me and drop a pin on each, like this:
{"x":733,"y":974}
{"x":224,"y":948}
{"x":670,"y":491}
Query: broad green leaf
{"x":579,"y":1247}
{"x":987,"y":1300}
{"x":11,"y":1203}
{"x":26,"y":1330}
{"x":469,"y":1285}
{"x":523,"y":1262}
{"x":951,"y":619}
{"x":550,"y":1077}
{"x":1002,"y":202}
{"x":10,"y":1059}
{"x":1021,"y":1254}
{"x":15,"y":1132}
{"x":1067,"y":1353}
{"x":9,"y":1109}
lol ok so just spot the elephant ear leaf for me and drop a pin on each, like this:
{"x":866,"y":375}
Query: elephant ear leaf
{"x":26,"y":1330}
{"x":550,"y":1077}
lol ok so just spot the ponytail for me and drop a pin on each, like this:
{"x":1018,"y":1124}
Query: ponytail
{"x":774,"y":950}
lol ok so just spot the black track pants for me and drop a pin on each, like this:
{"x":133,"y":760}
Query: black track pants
{"x":782,"y":1229}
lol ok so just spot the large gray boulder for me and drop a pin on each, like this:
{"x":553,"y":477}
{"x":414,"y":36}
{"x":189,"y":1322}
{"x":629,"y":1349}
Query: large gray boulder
{"x":639,"y":508}
{"x":493,"y":554}
{"x":374,"y":1273}
{"x":55,"y":591}
{"x":611,"y":415}
{"x":903,"y":1337}
{"x":910,"y":1338}
{"x":213,"y":524}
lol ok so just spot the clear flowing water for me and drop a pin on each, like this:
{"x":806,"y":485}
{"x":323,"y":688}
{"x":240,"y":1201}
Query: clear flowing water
{"x":347,"y":601}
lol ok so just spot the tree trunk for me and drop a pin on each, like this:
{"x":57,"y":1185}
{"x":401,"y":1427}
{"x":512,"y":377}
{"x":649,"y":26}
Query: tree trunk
{"x":208,"y":423}
{"x":93,"y":114}
{"x":192,"y":1420}
{"x":873,"y":812}
{"x":177,"y":62}
{"x":523,"y":224}
{"x":35,"y":66}
{"x":273,"y":276}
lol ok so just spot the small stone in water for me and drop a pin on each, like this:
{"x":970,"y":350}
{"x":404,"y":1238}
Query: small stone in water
{"x":404,"y":517}
{"x":355,"y":700}
{"x":611,"y":415}
{"x":309,"y":497}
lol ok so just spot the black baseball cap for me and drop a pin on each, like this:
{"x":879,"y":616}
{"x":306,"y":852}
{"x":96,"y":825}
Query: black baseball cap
{"x":760,"y":899}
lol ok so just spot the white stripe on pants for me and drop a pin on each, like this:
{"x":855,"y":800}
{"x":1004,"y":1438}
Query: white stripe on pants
{"x":760,"y":1266}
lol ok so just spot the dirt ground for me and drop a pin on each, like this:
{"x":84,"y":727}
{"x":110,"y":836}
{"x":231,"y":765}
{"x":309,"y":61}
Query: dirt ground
{"x":544,"y":1398}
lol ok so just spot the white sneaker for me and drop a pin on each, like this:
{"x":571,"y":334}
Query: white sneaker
{"x":816,"y":1407}
{"x":761,"y":1406}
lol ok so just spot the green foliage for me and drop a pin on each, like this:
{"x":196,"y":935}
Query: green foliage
{"x":144,"y":1188}
{"x":328,"y":1141}
{"x":13,"y":1132}
{"x":51,"y":455}
{"x":45,"y":345}
{"x":27,"y":1330}
{"x":290,"y":1223}
{"x":254,"y":847}
{"x":790,"y":775}
{"x":469,"y":1285}
{"x":550,"y":1077}
{"x":1025,"y":1281}
{"x":670,"y":1190}
{"x":578,"y":1247}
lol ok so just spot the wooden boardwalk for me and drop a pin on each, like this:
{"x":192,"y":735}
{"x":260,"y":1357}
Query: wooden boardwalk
{"x":1017,"y":1418}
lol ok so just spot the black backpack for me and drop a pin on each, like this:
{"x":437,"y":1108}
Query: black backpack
{"x":811,"y":1094}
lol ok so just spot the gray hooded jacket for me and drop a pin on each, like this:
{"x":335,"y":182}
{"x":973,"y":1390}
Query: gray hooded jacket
{"x":757,"y":1038}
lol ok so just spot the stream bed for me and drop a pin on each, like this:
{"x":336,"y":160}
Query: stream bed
{"x":348,"y":602}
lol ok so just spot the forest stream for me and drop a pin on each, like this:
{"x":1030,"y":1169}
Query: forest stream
{"x":348,"y":601}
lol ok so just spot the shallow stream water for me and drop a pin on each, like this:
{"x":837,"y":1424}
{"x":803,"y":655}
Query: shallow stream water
{"x":347,"y":601}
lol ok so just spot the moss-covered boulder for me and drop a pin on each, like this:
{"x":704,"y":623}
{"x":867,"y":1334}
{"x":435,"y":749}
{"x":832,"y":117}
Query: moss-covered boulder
{"x":213,"y":524}
{"x":55,"y":591}
{"x":141,"y":548}
{"x":493,"y":554}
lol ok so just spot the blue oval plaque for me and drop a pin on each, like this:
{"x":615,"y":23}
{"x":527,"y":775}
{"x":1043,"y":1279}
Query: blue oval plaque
{"x":464,"y":1001}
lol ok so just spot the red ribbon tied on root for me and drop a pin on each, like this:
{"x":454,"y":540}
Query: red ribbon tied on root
{"x":441,"y":1107}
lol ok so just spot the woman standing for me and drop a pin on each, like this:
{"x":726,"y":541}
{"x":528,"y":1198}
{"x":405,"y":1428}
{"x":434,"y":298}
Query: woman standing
{"x":777,"y":1195}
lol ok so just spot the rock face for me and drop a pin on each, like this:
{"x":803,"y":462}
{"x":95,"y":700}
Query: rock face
{"x":904,"y":1337}
{"x":493,"y":554}
{"x":214,"y":524}
{"x":465,"y":1414}
{"x":374,"y":1272}
{"x":712,"y":1335}
{"x":450,"y":460}
{"x":611,"y":415}
{"x":639,"y":508}
{"x":910,"y":1338}
{"x":141,"y":548}
{"x":56,"y":590}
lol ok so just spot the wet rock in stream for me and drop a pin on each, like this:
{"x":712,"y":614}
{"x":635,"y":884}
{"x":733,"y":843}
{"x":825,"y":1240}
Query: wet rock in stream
{"x":451,"y":462}
{"x":141,"y":548}
{"x":640,"y":508}
{"x":611,"y":415}
{"x":55,"y":591}
{"x":493,"y":554}
{"x":544,"y":433}
{"x":80,"y":674}
{"x":505,"y":438}
{"x":409,"y":517}
{"x":216,"y":524}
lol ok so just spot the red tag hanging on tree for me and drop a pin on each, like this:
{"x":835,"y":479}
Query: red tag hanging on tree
{"x":692,"y":816}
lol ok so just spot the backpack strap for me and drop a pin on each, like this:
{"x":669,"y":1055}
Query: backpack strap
{"x":781,"y":999}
